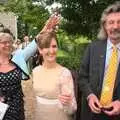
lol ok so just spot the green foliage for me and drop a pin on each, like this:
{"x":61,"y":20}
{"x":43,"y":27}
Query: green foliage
{"x":69,"y":62}
{"x":74,"y":46}
{"x":68,"y":42}
{"x":62,"y":53}
{"x":29,"y":16}
{"x":82,"y":16}
{"x":73,"y":60}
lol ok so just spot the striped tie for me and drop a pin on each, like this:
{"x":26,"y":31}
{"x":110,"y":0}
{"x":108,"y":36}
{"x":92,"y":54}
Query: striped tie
{"x":109,"y":79}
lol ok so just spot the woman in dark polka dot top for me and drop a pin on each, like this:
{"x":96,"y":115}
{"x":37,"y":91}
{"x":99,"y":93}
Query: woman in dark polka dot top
{"x":12,"y":71}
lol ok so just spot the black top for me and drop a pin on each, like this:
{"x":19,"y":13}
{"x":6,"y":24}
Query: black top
{"x":11,"y":90}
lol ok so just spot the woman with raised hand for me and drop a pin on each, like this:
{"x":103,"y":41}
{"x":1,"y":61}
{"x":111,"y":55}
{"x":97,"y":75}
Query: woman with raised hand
{"x":13,"y":69}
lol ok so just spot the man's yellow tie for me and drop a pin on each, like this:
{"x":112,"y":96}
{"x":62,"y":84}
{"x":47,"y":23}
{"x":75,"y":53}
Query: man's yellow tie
{"x":109,"y":79}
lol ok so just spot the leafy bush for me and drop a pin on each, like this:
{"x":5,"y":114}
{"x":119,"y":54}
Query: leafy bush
{"x":73,"y":60}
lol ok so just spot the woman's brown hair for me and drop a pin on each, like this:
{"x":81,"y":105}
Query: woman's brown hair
{"x":44,"y":39}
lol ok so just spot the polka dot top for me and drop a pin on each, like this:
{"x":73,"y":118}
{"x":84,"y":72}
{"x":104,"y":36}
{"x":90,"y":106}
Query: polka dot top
{"x":11,"y":90}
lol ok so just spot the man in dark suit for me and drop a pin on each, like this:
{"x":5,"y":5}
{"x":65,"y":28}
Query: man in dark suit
{"x":94,"y":66}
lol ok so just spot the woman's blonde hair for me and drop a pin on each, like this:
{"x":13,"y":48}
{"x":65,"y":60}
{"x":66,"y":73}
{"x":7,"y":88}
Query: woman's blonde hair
{"x":5,"y":35}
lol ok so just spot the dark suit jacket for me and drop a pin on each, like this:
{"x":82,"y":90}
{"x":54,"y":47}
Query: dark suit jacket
{"x":91,"y":75}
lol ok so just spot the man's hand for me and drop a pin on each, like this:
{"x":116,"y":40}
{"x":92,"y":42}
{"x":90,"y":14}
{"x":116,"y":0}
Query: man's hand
{"x":94,"y":103}
{"x":115,"y":105}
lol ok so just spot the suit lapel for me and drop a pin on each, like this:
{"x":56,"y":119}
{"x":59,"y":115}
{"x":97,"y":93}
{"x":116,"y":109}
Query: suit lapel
{"x":102,"y":58}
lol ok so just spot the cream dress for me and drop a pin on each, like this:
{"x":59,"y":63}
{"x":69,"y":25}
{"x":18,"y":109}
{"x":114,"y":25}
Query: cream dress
{"x":48,"y":84}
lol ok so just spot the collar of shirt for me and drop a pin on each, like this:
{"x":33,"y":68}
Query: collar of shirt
{"x":110,"y":45}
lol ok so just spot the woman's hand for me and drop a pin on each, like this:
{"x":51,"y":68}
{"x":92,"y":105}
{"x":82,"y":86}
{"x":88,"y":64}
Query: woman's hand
{"x":65,"y":99}
{"x":51,"y":23}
